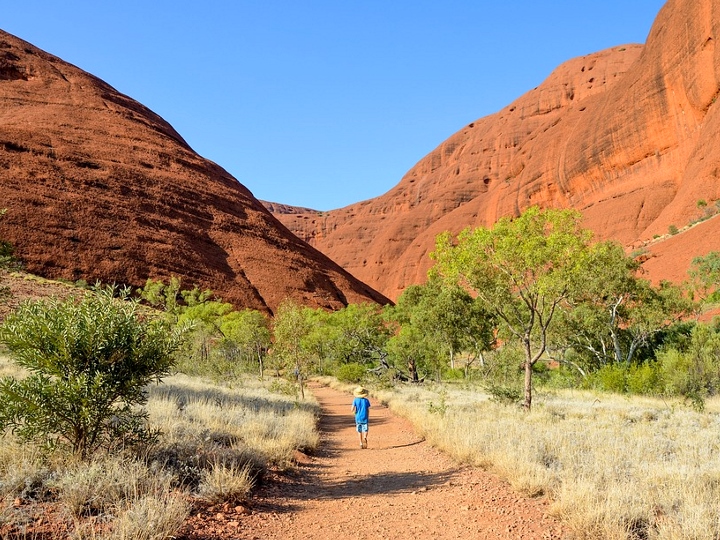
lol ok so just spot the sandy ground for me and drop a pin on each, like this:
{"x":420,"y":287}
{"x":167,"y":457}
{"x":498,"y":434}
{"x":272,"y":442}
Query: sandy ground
{"x":398,"y":488}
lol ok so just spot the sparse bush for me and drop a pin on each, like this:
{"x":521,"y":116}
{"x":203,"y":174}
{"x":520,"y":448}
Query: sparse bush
{"x":644,"y":379}
{"x":505,"y":395}
{"x":152,"y":517}
{"x":456,"y":374}
{"x":223,"y":482}
{"x":89,"y":362}
{"x":610,"y":378}
{"x":351,"y":373}
{"x":673,"y":230}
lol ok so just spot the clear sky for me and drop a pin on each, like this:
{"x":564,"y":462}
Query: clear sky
{"x":323,"y":103}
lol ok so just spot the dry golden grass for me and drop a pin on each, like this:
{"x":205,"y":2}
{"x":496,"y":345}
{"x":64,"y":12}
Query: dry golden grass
{"x":215,"y":441}
{"x":248,"y":418}
{"x":615,"y":467}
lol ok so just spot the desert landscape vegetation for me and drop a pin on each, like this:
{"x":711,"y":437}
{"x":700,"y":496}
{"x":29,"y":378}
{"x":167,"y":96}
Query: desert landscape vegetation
{"x":532,"y":308}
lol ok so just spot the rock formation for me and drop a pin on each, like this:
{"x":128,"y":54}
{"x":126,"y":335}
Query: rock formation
{"x":629,"y":136}
{"x":99,"y":187}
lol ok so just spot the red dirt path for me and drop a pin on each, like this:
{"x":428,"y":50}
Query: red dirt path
{"x":399,"y":488}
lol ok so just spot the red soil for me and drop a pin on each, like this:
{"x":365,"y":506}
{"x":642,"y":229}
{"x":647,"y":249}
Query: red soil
{"x":399,"y":488}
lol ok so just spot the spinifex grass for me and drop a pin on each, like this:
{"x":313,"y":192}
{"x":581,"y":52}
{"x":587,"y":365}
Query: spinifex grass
{"x":614,"y":467}
{"x":215,"y":440}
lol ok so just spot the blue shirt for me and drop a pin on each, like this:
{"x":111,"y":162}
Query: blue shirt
{"x":361,"y":406}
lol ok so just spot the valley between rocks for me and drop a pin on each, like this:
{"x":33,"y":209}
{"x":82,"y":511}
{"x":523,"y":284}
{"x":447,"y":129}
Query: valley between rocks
{"x":398,"y":488}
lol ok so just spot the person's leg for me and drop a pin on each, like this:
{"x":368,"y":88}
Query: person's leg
{"x":365,"y":435}
{"x":359,"y":430}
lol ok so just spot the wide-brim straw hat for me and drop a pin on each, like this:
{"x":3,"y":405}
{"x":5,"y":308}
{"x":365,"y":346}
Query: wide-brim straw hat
{"x":360,"y":392}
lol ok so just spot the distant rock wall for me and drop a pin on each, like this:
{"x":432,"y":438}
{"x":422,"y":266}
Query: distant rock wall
{"x":629,"y":136}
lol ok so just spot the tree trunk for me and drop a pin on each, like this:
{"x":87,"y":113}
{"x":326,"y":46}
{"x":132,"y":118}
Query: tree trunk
{"x":412,"y":368}
{"x":298,"y":374}
{"x":527,"y":403}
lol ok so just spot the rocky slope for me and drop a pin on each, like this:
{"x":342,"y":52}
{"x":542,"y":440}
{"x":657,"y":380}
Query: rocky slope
{"x":629,"y":136}
{"x":99,"y":187}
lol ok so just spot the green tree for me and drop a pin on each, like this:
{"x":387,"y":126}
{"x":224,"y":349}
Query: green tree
{"x":162,"y":296}
{"x":409,"y":348}
{"x":705,"y":274}
{"x":89,"y":362}
{"x":521,"y":270}
{"x":448,"y":319}
{"x":355,"y":334}
{"x":203,"y":320}
{"x":617,"y":314}
{"x":291,"y":327}
{"x":249,"y":330}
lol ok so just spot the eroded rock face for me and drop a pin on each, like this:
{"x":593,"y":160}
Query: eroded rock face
{"x":629,"y":136}
{"x":97,"y":186}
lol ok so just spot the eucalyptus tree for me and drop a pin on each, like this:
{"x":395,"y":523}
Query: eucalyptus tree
{"x":522,"y":271}
{"x":249,"y":331}
{"x":448,"y":321}
{"x":618,"y":313}
{"x":291,"y":327}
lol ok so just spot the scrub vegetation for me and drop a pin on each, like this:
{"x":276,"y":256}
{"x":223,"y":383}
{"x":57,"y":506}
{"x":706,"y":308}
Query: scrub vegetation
{"x":531,"y":350}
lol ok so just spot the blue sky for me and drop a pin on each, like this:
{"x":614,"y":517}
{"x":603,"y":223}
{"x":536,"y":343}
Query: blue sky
{"x":323,"y":103}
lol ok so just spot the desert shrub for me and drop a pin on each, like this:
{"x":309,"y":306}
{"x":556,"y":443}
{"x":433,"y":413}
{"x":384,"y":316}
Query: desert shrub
{"x":506,"y":395}
{"x":351,"y":373}
{"x":610,"y":378}
{"x":89,"y":362}
{"x":673,"y":230}
{"x":226,"y":482}
{"x":695,"y":372}
{"x":152,"y":517}
{"x":450,"y":374}
{"x":101,"y":486}
{"x":644,"y":379}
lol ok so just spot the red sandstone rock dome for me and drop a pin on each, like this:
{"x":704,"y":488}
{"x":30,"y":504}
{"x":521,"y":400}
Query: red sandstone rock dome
{"x":97,"y":186}
{"x":629,"y":136}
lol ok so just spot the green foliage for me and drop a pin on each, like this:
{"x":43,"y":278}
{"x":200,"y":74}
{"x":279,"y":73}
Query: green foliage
{"x":673,"y":230}
{"x":644,"y":378}
{"x":446,"y":320}
{"x":246,"y":337}
{"x":610,"y":378}
{"x":89,"y":362}
{"x":694,"y":373}
{"x":521,"y":271}
{"x":410,"y":353}
{"x":351,"y":373}
{"x":618,"y":317}
{"x":505,"y":395}
{"x":705,"y":275}
{"x":291,"y":327}
{"x":162,"y":296}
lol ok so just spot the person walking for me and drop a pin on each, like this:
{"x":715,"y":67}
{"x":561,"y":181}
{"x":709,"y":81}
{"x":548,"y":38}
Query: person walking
{"x":361,"y":408}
